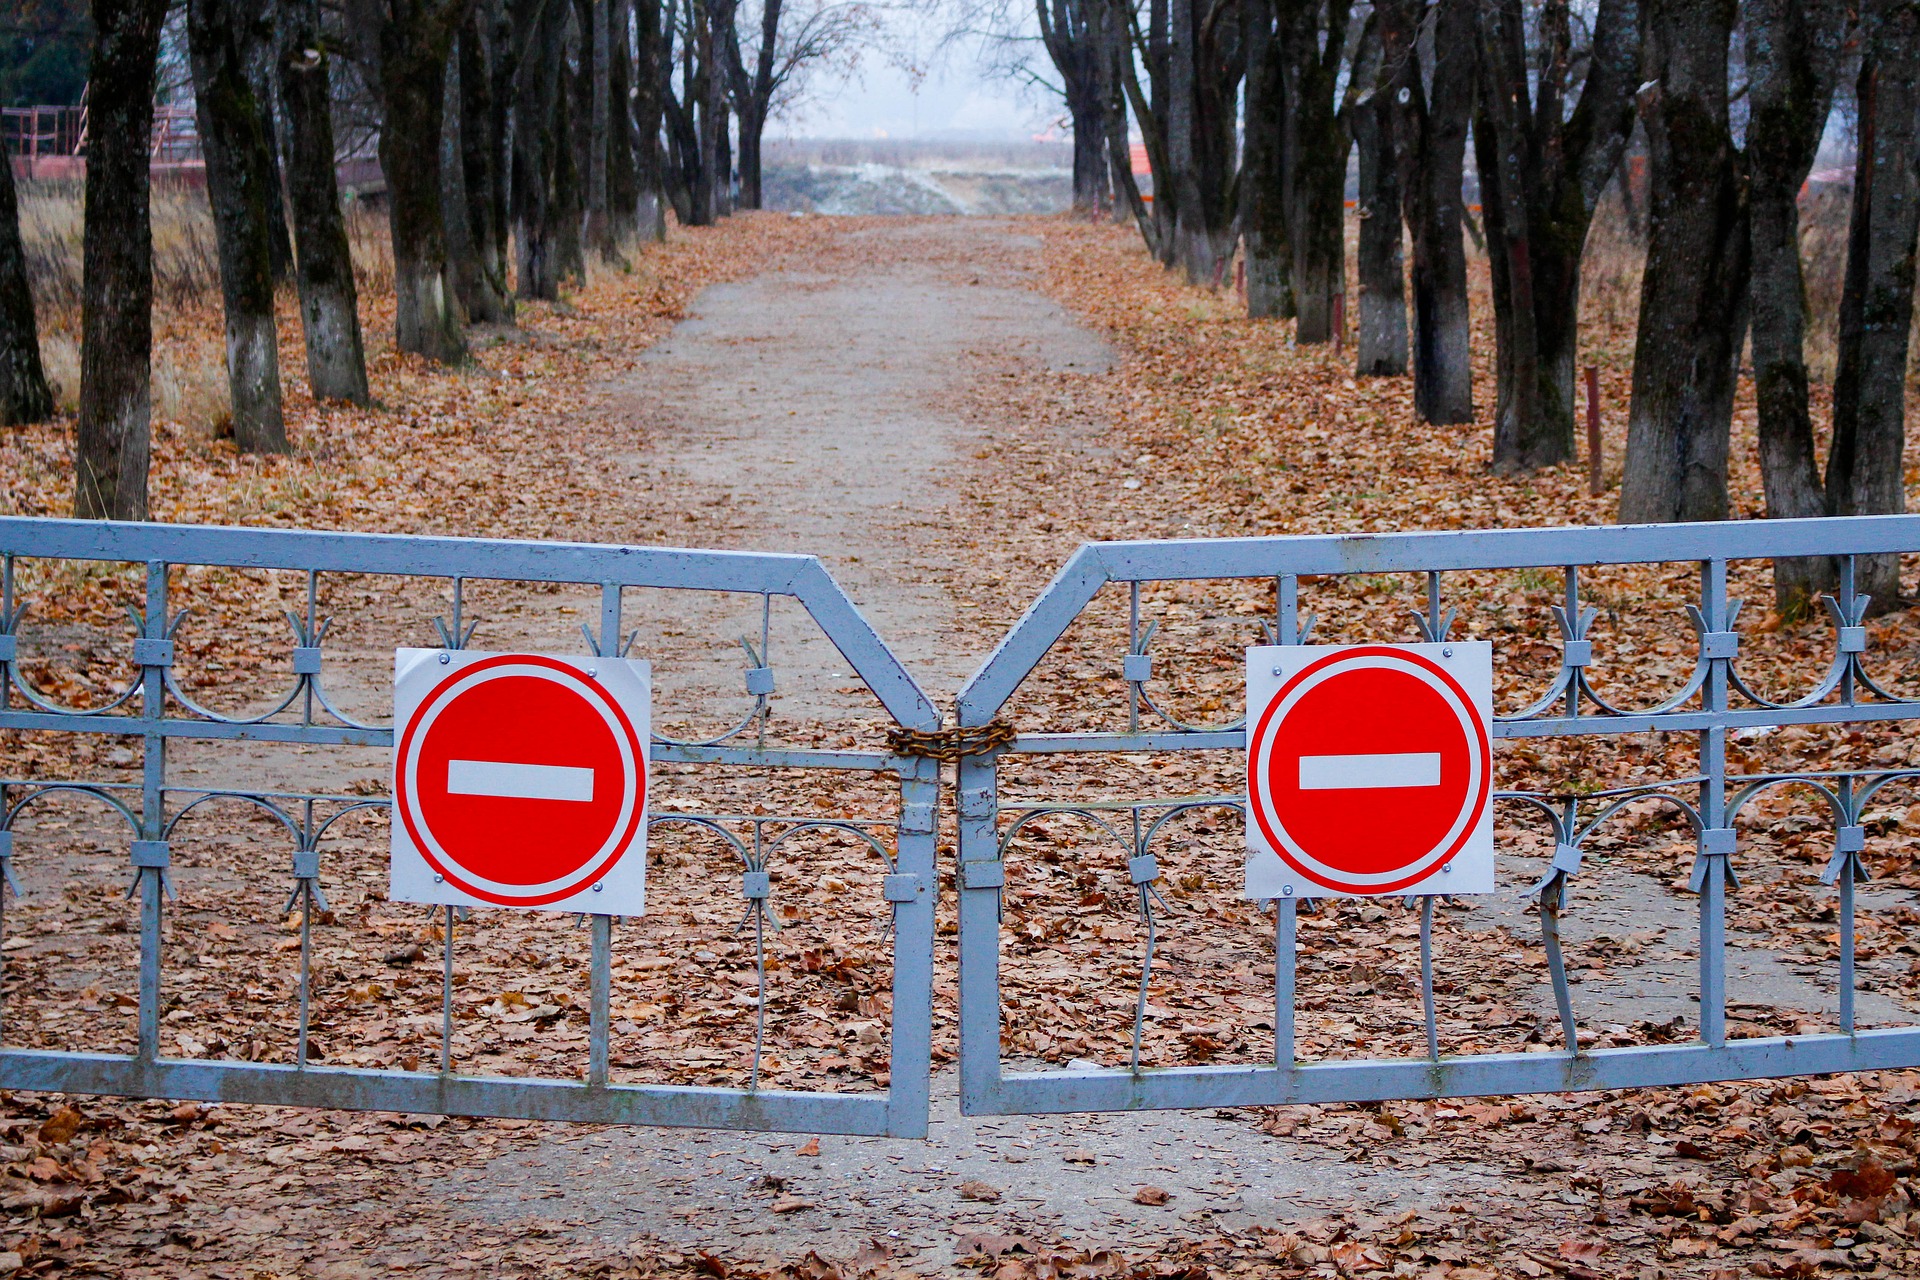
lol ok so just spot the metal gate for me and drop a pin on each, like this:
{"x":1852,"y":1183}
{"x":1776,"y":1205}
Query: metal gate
{"x":1711,"y":701}
{"x":157,"y":708}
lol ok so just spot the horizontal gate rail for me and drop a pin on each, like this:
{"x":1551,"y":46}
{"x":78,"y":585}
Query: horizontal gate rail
{"x":155,"y":707}
{"x":1712,"y":701}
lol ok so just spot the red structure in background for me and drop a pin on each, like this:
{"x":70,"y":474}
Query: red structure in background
{"x":51,"y":143}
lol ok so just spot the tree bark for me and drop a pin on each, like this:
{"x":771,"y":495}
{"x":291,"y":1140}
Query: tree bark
{"x":116,"y":342}
{"x":239,"y":183}
{"x":1429,"y":140}
{"x":1865,"y":475}
{"x":596,"y":58}
{"x":1313,"y":158}
{"x":623,"y":178}
{"x":415,"y":37}
{"x":1543,"y":168}
{"x":463,"y":268}
{"x":329,"y":303}
{"x":1793,"y":50}
{"x":1114,"y":47}
{"x":1693,"y":293}
{"x":1382,"y":347}
{"x":651,"y":60}
{"x":482,"y":280}
{"x":540,"y":29}
{"x":572,"y":106}
{"x":24,"y":394}
{"x":258,"y":50}
{"x":1263,"y":209}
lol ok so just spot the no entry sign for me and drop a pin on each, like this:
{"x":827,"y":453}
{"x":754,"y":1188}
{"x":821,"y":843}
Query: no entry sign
{"x":1369,"y":770}
{"x":520,"y":780}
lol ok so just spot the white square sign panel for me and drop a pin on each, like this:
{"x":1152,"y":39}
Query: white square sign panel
{"x":1369,"y":770}
{"x":520,"y":780}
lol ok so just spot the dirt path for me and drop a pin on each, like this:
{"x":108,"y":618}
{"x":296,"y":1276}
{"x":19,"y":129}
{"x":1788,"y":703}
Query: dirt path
{"x":836,"y":410}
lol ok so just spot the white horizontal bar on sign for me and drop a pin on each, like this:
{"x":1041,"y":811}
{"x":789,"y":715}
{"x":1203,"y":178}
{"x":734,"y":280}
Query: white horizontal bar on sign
{"x":1390,"y":769}
{"x":523,"y":781}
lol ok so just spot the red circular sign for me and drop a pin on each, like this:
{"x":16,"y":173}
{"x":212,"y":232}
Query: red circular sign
{"x":520,"y":780}
{"x":1369,"y":769}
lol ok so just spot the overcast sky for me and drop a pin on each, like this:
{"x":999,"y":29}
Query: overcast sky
{"x":956,"y":98}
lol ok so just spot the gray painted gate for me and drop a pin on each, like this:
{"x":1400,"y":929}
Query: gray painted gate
{"x":1712,"y":702}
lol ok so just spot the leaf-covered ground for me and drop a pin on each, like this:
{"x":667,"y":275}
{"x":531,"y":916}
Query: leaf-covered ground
{"x":1209,"y":424}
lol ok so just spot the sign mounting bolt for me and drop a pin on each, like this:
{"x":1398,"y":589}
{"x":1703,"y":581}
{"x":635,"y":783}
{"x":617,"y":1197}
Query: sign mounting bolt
{"x":445,"y":658}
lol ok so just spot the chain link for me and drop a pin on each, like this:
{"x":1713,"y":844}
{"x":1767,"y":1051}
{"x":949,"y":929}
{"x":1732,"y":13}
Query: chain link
{"x":949,"y":745}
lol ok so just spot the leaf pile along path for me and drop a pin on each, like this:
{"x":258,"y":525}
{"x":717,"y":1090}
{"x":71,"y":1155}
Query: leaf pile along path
{"x":943,"y":409}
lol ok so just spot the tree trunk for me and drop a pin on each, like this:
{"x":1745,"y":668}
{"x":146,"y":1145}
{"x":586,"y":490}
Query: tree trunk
{"x":596,"y":64}
{"x":483,"y":281}
{"x":414,"y":43}
{"x":1864,"y":470}
{"x":1263,"y":220}
{"x":258,"y":51}
{"x":24,"y":394}
{"x":1313,"y":159}
{"x":1793,"y":52}
{"x":239,"y":182}
{"x":569,"y":194}
{"x":540,"y":29}
{"x":752,"y":127}
{"x":329,"y":315}
{"x":623,"y":178}
{"x":1382,"y":349}
{"x":1115,"y":45}
{"x":1694,"y":288}
{"x":1090,"y":191}
{"x":651,"y":59}
{"x":1542,"y":171}
{"x":1429,"y":141}
{"x":463,"y":267}
{"x":116,"y":312}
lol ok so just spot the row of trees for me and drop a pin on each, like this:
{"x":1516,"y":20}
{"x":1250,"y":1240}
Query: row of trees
{"x":1251,"y":109}
{"x":516,"y":137}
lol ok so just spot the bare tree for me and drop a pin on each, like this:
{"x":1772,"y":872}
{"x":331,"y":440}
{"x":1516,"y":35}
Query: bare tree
{"x":1430,"y":144}
{"x":407,"y":43}
{"x":791,"y":41}
{"x":239,"y":186}
{"x":1543,"y":166}
{"x":116,"y":322}
{"x":1865,"y":472}
{"x":1382,"y":347}
{"x":1205,"y":64}
{"x":329,"y":302}
{"x":1693,"y":294}
{"x":1794,"y":50}
{"x":24,"y":394}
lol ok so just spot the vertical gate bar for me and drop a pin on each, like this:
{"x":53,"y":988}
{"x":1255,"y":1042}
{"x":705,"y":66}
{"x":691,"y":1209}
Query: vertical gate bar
{"x":979,"y":845}
{"x":1847,"y":689}
{"x":1287,"y":607}
{"x":600,"y":982}
{"x":1573,"y":624}
{"x":6,"y":619}
{"x":306,"y":972}
{"x":459,"y":600}
{"x":313,"y":603}
{"x":1552,"y":898}
{"x":153,"y":821}
{"x":1285,"y":927}
{"x":1713,"y":814}
{"x":600,"y":965}
{"x":446,"y":996}
{"x":1433,"y":603}
{"x":1133,"y":638}
{"x":1847,"y":873}
{"x":1426,"y":976}
{"x":916,"y":854}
